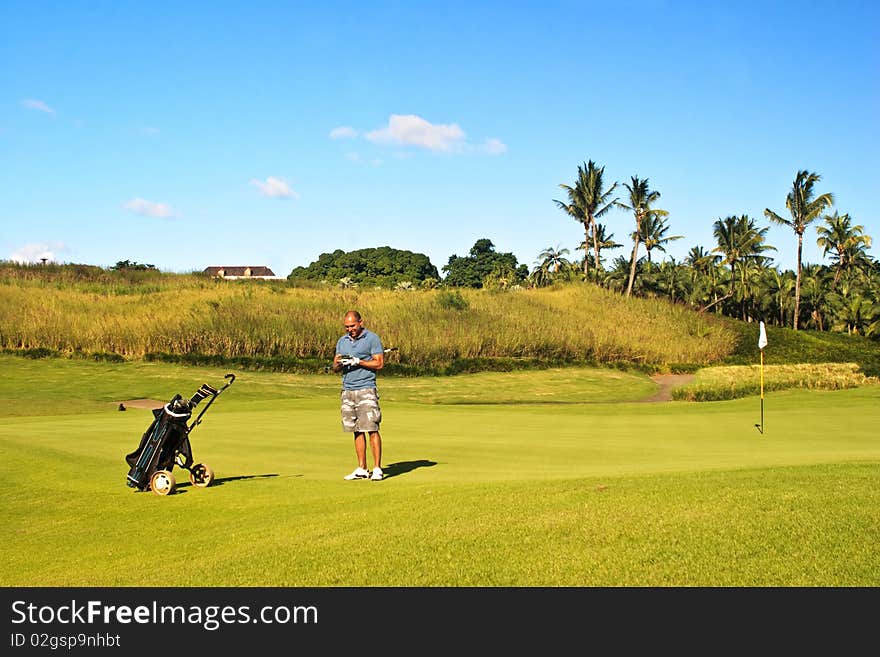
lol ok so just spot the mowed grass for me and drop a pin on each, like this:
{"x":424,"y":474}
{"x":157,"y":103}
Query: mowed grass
{"x":536,"y":478}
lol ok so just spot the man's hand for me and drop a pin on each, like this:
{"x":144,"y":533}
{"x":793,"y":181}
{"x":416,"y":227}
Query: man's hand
{"x":350,"y":361}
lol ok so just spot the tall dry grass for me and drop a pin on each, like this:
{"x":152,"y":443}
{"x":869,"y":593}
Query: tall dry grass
{"x":192,"y":315}
{"x":731,"y":382}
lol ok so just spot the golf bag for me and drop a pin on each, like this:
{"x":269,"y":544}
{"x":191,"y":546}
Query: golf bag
{"x":166,"y":443}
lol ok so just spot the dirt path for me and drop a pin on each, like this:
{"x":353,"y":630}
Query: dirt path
{"x":667,"y":382}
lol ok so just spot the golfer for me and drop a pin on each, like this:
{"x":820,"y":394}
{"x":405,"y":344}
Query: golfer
{"x":359,"y":355}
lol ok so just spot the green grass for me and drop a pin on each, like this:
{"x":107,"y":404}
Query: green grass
{"x":540,"y":478}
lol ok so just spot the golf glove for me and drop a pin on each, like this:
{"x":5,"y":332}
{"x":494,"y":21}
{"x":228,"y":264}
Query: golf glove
{"x":350,"y":361}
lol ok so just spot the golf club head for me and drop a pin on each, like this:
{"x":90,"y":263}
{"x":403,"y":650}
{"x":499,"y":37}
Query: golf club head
{"x":759,"y":428}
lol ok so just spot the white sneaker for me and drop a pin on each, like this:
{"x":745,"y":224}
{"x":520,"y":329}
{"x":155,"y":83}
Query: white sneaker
{"x":377,"y":474}
{"x":358,"y":473}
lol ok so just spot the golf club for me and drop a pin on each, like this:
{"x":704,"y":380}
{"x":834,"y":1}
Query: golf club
{"x":354,"y":360}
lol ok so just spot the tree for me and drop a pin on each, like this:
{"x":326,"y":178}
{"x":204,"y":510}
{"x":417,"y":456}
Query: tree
{"x":617,"y":277}
{"x":814,"y":296}
{"x":804,"y":208}
{"x":738,"y":241}
{"x":587,"y":201}
{"x":553,"y":259}
{"x":654,"y":231}
{"x":854,"y":312}
{"x":703,"y":277}
{"x":640,"y":199}
{"x":700,"y":259}
{"x":129,"y":265}
{"x":777,"y":295}
{"x":603,"y":241}
{"x":846,"y":243}
{"x":549,"y":266}
{"x":381,"y":266}
{"x":471,"y":270}
{"x":540,"y":277}
{"x":502,"y":277}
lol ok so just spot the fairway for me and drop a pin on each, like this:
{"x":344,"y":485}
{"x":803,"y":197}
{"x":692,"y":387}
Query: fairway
{"x":535,"y":478}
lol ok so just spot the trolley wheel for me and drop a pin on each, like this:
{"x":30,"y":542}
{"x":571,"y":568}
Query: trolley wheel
{"x":201,"y":475}
{"x":162,"y":482}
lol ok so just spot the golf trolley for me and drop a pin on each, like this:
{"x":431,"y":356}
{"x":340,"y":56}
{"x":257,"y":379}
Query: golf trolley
{"x":165,"y":444}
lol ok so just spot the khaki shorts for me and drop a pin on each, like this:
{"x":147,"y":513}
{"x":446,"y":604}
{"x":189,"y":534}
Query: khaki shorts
{"x":360,"y":410}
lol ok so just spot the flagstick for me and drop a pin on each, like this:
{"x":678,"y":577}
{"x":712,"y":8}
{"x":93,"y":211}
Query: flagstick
{"x":762,"y":342}
{"x":762,"y":392}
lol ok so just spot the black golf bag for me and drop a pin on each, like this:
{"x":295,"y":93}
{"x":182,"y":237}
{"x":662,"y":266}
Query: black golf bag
{"x":166,"y":443}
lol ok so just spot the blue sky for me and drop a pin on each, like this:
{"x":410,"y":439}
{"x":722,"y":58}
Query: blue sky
{"x":190,"y":134}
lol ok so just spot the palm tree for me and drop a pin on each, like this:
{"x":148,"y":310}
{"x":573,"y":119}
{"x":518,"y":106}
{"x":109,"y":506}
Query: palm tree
{"x":672,"y":279}
{"x":777,"y":292}
{"x":552,"y":259}
{"x":700,"y":259}
{"x":640,"y":199}
{"x":616,"y":277}
{"x":602,"y":241}
{"x":703,"y":276}
{"x":804,"y":210}
{"x":814,"y":295}
{"x":540,"y":277}
{"x":846,"y":243}
{"x":738,"y":241}
{"x":587,"y":201}
{"x":654,"y":231}
{"x":751,"y":292}
{"x":856,"y":313}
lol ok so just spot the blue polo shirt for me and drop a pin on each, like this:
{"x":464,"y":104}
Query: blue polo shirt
{"x":365,"y":346}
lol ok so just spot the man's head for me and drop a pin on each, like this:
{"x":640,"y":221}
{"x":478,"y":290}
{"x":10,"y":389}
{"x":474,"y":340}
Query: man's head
{"x":353,"y":323}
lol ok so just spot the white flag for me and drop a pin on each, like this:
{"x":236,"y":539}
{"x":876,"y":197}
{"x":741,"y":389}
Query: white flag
{"x":762,"y":338}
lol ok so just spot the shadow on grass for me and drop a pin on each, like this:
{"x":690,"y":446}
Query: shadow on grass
{"x":224,"y":480}
{"x":402,"y":467}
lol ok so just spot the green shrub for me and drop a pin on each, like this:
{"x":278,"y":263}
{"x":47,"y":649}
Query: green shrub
{"x":452,"y":300}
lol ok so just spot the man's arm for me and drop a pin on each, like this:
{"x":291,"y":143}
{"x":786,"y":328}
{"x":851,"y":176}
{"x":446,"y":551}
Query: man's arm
{"x":377,"y":362}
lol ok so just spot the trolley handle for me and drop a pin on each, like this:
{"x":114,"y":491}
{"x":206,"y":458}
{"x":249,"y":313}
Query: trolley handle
{"x":214,"y":394}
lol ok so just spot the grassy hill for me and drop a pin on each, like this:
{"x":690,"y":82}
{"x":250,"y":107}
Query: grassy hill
{"x":92,"y":313}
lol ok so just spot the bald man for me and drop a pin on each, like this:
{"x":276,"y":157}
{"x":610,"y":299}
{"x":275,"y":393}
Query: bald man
{"x":359,"y":355}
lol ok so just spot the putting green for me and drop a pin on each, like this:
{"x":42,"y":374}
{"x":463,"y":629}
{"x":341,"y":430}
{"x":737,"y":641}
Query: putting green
{"x":485,"y":486}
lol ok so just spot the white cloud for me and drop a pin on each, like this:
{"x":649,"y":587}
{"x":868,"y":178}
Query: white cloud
{"x":38,"y":105}
{"x":274,"y":188}
{"x":150,"y":209}
{"x":412,"y":130}
{"x":494,"y":146}
{"x":343,"y":132}
{"x":32,"y":253}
